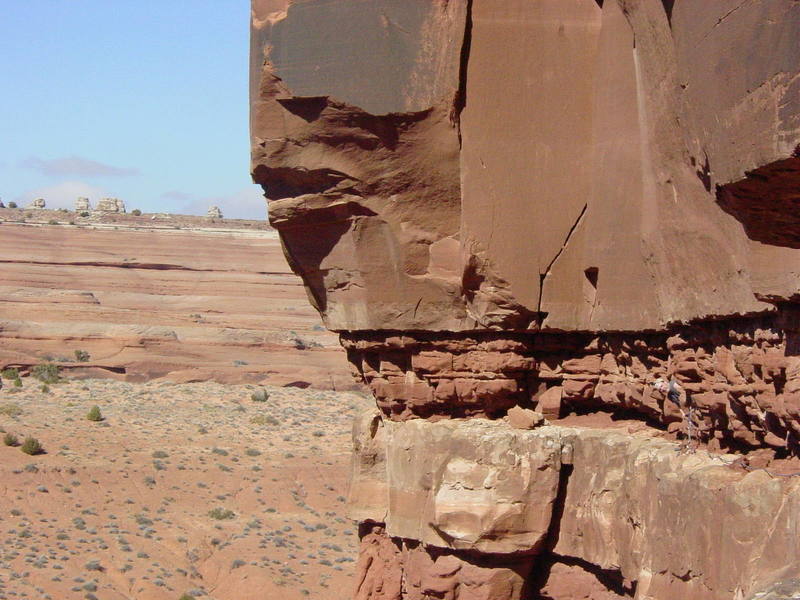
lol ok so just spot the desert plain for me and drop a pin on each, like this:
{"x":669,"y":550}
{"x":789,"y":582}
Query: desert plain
{"x":219,"y":466}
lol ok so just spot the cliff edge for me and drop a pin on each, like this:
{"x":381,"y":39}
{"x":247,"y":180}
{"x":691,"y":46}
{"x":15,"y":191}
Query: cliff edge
{"x":549,"y":207}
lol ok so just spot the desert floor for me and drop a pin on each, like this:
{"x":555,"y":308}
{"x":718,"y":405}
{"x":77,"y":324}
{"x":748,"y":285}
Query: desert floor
{"x":182,"y":489}
{"x":147,"y":303}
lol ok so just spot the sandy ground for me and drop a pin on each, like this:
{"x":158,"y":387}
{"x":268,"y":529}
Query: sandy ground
{"x":122,"y":508}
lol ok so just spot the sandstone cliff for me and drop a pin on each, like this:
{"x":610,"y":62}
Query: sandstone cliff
{"x":549,"y":205}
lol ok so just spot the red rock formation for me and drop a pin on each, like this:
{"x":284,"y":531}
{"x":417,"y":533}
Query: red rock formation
{"x":388,"y":569}
{"x":545,"y":205}
{"x":617,"y":504}
{"x":742,"y":375}
{"x":580,"y":195}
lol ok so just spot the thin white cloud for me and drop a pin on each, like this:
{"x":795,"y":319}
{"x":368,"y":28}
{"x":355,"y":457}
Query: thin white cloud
{"x":63,"y":195}
{"x":246,"y":203}
{"x":176,"y":195}
{"x":75,"y":166}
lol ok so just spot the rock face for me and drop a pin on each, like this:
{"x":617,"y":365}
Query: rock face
{"x":607,"y":185}
{"x":112,"y":205}
{"x":38,"y":203}
{"x":593,"y":497}
{"x":82,"y":204}
{"x":214,"y":212}
{"x":547,"y":206}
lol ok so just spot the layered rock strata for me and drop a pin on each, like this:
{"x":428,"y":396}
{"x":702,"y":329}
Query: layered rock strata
{"x":659,"y":523}
{"x":140,"y":303}
{"x":741,"y":376}
{"x":549,"y":205}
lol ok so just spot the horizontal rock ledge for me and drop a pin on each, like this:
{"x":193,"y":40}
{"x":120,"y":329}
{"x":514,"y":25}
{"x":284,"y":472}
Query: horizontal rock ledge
{"x":740,"y":376}
{"x":679,"y":525}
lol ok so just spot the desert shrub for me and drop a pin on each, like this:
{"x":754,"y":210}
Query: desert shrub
{"x":10,"y":373}
{"x":10,"y":409}
{"x":31,"y":446}
{"x":46,"y":372}
{"x":136,"y":212}
{"x":81,"y":356}
{"x":9,"y":439}
{"x":45,"y":389}
{"x":143,"y":521}
{"x":52,"y":222}
{"x":17,"y":382}
{"x":12,"y":205}
{"x":160,"y":454}
{"x":83,"y":213}
{"x":264,"y":420}
{"x":221,"y":514}
{"x":260,"y":395}
{"x":94,"y":414}
{"x":94,"y":565}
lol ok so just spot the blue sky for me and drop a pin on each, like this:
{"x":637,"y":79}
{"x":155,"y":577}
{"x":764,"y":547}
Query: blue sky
{"x":144,"y":100}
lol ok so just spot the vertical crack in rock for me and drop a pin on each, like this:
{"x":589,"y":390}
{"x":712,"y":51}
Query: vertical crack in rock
{"x":543,"y":276}
{"x":558,"y":507}
{"x":668,"y":6}
{"x":460,"y":100}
